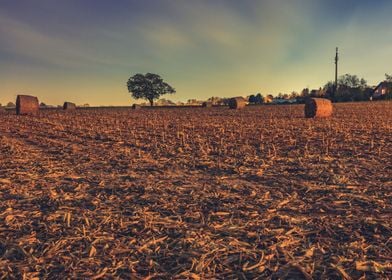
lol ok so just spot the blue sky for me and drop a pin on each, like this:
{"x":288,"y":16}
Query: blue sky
{"x":85,"y":50}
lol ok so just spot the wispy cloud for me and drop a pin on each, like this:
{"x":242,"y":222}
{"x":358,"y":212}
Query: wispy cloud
{"x":26,"y":42}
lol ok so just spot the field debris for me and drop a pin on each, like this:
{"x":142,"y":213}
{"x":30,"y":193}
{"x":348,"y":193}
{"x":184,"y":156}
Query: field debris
{"x":196,"y":193}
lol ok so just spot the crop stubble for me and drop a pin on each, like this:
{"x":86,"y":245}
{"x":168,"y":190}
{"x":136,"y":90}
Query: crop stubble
{"x":197,"y":193}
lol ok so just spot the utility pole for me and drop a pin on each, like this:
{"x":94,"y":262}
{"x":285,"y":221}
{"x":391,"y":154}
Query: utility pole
{"x":336,"y":73}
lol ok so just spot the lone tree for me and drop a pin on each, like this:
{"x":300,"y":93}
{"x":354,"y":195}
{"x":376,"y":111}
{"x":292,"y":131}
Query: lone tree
{"x":148,"y":86}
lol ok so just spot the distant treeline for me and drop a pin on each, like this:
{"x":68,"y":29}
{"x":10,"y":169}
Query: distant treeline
{"x":350,"y":88}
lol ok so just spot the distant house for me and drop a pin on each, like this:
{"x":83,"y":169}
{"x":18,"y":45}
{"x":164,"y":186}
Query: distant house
{"x":382,"y":89}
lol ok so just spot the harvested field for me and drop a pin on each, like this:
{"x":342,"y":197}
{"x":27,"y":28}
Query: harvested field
{"x":260,"y":193}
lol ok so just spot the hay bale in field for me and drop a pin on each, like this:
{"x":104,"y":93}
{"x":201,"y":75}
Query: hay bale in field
{"x":237,"y":103}
{"x":69,"y":106}
{"x":318,"y":108}
{"x":26,"y":104}
{"x":206,"y":104}
{"x":136,"y":107}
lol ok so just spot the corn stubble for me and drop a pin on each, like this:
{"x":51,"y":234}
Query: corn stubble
{"x":261,"y":193}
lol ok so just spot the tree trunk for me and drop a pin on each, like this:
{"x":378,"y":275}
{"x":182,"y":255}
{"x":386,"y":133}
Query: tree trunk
{"x":151,"y":102}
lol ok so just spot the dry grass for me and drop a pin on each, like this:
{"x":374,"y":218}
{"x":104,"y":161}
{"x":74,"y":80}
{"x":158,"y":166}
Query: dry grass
{"x":197,"y":194}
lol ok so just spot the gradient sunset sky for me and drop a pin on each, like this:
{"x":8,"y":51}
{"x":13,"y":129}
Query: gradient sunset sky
{"x":85,"y":50}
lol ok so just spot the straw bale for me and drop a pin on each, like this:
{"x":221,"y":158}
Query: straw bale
{"x":69,"y":106}
{"x":26,"y":104}
{"x":318,"y":108}
{"x":237,"y":103}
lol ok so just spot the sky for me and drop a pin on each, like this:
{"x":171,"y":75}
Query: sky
{"x":84,"y":51}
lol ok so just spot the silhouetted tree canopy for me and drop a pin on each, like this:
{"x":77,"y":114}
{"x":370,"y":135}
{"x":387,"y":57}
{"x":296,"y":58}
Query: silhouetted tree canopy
{"x":305,"y":92}
{"x":149,"y":86}
{"x":256,"y":99}
{"x":329,"y":89}
{"x":259,"y":99}
{"x":350,"y":88}
{"x":252,"y":98}
{"x":351,"y":81}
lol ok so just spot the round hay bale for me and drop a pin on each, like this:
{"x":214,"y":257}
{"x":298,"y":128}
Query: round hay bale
{"x":136,"y":107}
{"x":69,"y":106}
{"x":206,"y":104}
{"x":26,"y":105}
{"x":318,"y":108}
{"x":237,"y":103}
